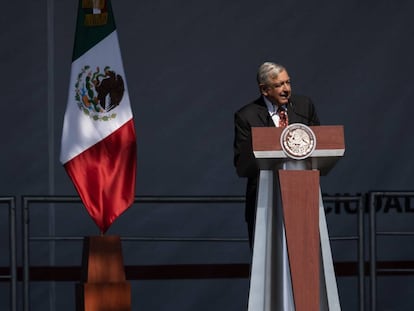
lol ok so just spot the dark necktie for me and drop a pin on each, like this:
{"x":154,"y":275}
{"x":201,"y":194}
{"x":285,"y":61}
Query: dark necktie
{"x":283,"y":117}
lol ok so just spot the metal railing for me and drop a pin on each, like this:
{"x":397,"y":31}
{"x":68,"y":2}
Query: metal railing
{"x":27,"y":201}
{"x":12,"y":275}
{"x":27,"y":238}
{"x":359,"y":238}
{"x":373,"y":196}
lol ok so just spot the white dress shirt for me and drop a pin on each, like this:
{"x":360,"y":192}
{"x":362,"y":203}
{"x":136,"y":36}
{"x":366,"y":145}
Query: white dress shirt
{"x":272,"y":111}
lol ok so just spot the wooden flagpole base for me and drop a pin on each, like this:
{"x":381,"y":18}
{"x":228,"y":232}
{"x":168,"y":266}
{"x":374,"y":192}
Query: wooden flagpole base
{"x":103,"y":287}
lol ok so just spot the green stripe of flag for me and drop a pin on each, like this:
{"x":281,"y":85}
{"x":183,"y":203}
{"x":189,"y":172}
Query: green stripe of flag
{"x":88,"y":31}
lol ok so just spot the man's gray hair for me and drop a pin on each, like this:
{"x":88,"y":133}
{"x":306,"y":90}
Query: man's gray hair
{"x":268,"y":71}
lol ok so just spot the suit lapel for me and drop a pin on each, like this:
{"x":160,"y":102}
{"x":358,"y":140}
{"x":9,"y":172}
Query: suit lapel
{"x":263,"y":114}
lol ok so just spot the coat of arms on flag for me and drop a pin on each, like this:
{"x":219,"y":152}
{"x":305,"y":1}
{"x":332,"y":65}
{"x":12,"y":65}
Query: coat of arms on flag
{"x":98,"y":92}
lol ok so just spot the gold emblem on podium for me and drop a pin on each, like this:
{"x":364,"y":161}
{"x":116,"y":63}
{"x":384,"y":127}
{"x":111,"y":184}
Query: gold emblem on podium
{"x":298,"y":141}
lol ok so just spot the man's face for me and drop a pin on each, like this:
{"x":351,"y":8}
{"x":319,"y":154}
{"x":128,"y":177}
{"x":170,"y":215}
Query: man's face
{"x":278,"y":90}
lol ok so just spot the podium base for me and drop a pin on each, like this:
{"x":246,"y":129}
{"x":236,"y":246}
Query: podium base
{"x":103,"y":286}
{"x":103,"y":296}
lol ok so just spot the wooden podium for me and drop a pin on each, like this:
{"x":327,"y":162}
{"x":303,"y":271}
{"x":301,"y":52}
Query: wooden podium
{"x":292,"y":267}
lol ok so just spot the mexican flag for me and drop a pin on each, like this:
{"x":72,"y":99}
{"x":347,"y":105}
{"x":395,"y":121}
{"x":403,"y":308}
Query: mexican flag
{"x":98,"y":147}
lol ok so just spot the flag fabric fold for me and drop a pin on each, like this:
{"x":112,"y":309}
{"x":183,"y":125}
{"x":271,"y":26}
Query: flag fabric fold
{"x":98,"y":148}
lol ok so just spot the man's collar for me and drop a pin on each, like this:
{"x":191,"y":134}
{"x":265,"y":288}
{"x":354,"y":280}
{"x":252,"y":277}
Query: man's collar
{"x":270,"y":106}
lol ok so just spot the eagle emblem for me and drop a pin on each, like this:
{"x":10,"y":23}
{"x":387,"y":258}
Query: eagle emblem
{"x":98,"y":92}
{"x":298,"y":141}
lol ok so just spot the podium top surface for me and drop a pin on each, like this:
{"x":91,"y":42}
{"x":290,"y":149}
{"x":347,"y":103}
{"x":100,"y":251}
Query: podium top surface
{"x":330,"y":146}
{"x":329,"y":141}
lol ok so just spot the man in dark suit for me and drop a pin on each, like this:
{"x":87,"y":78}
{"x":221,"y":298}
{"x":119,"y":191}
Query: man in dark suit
{"x":274,"y":107}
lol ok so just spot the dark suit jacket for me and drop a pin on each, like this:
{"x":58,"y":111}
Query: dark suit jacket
{"x":300,"y":110}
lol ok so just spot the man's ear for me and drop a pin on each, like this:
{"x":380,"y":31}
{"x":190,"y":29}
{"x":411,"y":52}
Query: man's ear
{"x":263,"y":89}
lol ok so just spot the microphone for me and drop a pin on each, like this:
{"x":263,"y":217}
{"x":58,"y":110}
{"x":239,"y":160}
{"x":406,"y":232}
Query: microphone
{"x":283,"y":107}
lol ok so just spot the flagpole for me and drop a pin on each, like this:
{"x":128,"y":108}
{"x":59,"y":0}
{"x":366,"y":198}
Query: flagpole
{"x":98,"y":99}
{"x":51,"y":141}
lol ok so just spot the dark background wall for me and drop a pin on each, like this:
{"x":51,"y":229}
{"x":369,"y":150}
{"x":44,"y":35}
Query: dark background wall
{"x":189,"y":66}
